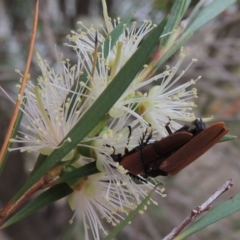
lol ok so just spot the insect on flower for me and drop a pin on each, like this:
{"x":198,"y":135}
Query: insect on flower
{"x":172,"y":153}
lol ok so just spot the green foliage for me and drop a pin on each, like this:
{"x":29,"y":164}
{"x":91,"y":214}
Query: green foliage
{"x":44,"y":199}
{"x":97,"y":112}
{"x":216,"y":214}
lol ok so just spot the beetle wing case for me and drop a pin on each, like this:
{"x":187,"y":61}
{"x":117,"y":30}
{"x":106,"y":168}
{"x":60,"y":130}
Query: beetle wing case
{"x":154,"y":152}
{"x":193,"y":149}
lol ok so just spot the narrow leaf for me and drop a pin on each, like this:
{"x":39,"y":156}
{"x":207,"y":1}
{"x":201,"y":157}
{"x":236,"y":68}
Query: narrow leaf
{"x":44,"y":199}
{"x":99,"y":108}
{"x":53,"y":194}
{"x":228,"y":138}
{"x":207,"y":14}
{"x":173,"y":20}
{"x":172,"y":50}
{"x":229,"y":207}
{"x":41,"y":158}
{"x":86,"y":170}
{"x":114,"y":35}
{"x":129,"y":218}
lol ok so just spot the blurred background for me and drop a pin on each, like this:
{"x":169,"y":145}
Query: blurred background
{"x":217,"y":48}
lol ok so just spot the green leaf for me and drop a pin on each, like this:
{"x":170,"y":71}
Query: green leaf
{"x":207,"y":14}
{"x":44,"y":199}
{"x":196,"y":9}
{"x":114,"y":35}
{"x":99,"y":108}
{"x":172,"y":50}
{"x":86,"y":170}
{"x":185,"y":7}
{"x":228,"y":138}
{"x":177,"y":12}
{"x":41,"y":158}
{"x":53,"y":194}
{"x":129,"y":218}
{"x":229,"y":207}
{"x":111,"y":40}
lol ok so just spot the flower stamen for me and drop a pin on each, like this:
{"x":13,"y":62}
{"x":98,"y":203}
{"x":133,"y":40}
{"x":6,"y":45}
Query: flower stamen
{"x":44,"y":113}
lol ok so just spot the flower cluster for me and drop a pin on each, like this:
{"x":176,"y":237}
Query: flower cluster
{"x":63,"y":95}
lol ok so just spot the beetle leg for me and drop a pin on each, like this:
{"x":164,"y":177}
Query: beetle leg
{"x":140,"y":179}
{"x":141,"y":146}
{"x":149,"y":135}
{"x":114,"y":156}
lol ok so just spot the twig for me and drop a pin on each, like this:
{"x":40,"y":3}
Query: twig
{"x":23,"y":85}
{"x":198,"y":210}
{"x":47,"y":181}
{"x":13,"y":204}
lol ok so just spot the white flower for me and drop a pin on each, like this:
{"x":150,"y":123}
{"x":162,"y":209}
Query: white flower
{"x":165,"y":102}
{"x":52,"y":107}
{"x":106,"y":196}
{"x":113,"y":191}
{"x":61,"y":98}
{"x":83,"y":42}
{"x":94,"y":198}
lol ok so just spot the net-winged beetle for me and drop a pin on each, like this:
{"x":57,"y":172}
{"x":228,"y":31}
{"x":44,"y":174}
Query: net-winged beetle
{"x":171,"y":154}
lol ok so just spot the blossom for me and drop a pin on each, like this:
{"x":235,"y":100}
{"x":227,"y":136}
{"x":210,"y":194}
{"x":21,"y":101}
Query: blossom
{"x":98,"y":197}
{"x":165,"y":102}
{"x":108,"y":194}
{"x":61,"y":97}
{"x":111,"y":192}
{"x":52,"y":107}
{"x":94,"y":195}
{"x":83,"y":42}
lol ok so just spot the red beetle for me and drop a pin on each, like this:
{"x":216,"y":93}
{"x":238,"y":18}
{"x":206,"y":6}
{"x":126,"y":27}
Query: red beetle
{"x":172,"y":153}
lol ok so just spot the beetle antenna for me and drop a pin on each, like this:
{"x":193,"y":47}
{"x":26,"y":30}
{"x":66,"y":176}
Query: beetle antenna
{"x":129,"y":135}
